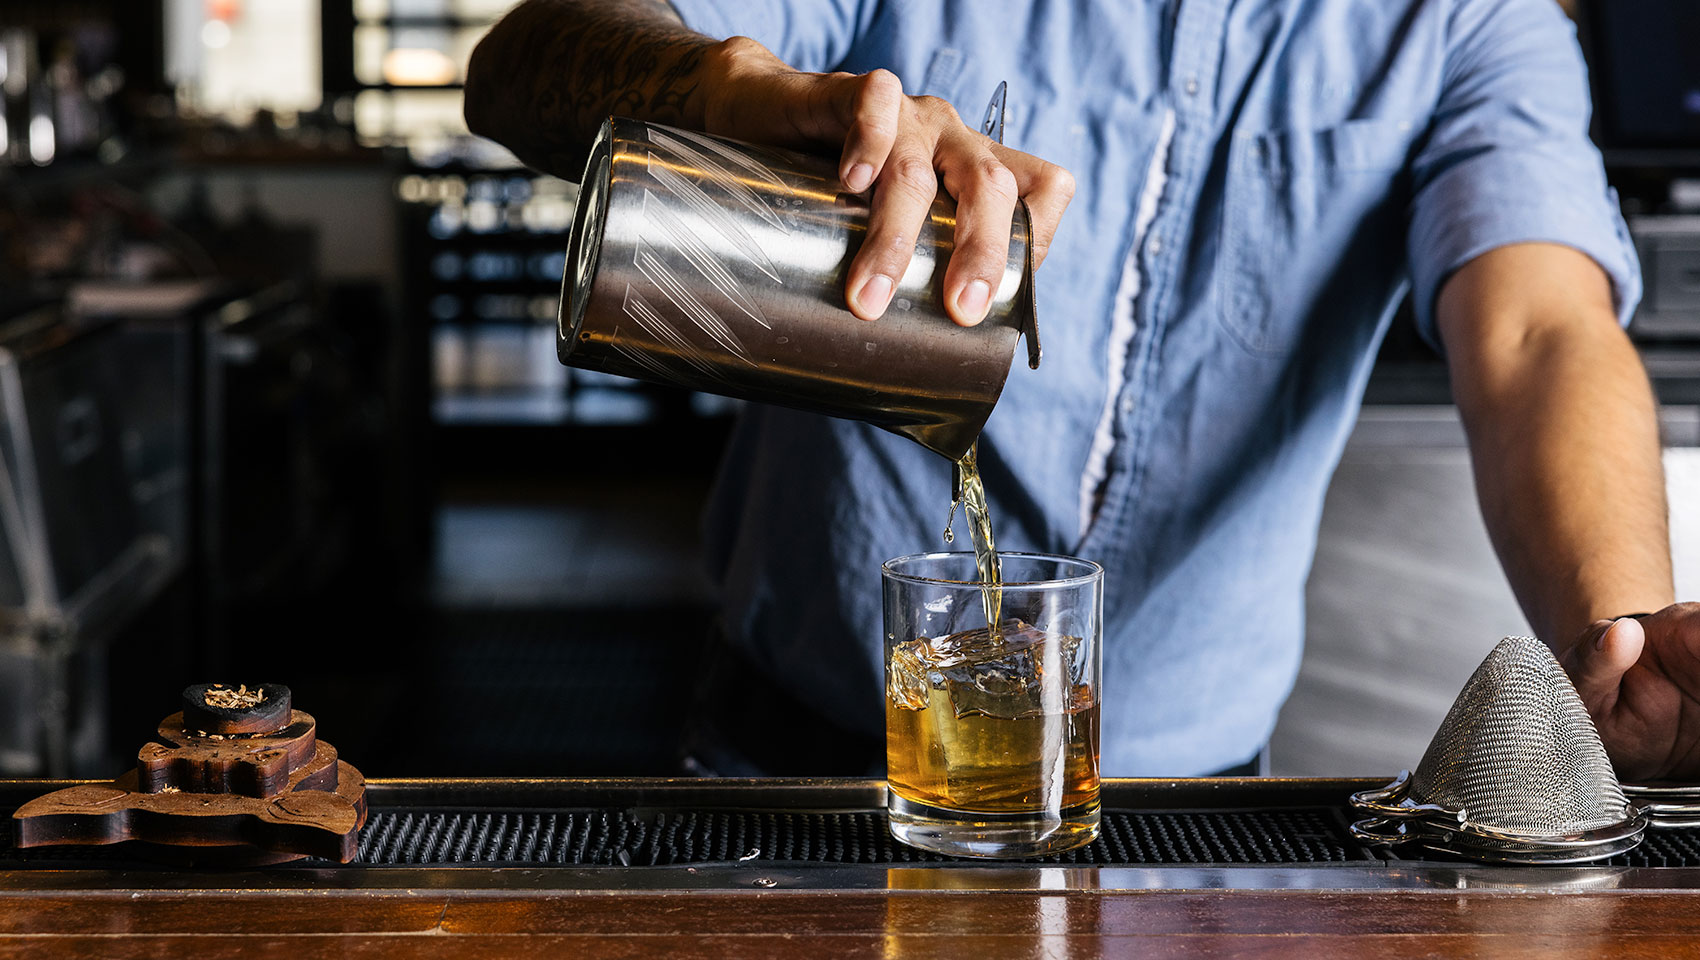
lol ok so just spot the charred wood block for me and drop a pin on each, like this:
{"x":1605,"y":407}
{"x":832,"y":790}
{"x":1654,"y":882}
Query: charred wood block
{"x":236,"y":711}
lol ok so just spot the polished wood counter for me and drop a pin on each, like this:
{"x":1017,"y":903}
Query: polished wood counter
{"x":820,"y":925}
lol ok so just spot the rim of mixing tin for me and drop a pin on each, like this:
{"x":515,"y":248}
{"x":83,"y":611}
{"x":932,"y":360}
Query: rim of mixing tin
{"x":584,"y":242}
{"x":1091,"y":571}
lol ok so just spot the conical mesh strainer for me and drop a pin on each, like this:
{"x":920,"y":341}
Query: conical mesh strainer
{"x":1516,"y":772}
{"x":1518,"y":751}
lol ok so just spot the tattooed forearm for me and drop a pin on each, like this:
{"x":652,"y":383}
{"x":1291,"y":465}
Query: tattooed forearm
{"x":547,"y":75}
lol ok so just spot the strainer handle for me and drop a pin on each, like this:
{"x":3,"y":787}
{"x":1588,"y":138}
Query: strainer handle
{"x":1669,"y":814}
{"x":1382,"y":831}
{"x":1394,"y":802}
{"x":1666,"y":805}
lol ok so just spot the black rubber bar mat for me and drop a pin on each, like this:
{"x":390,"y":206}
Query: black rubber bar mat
{"x":590,"y":837}
{"x":438,"y":836}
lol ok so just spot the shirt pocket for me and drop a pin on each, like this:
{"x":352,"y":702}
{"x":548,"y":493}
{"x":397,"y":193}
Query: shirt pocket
{"x":1308,"y":216}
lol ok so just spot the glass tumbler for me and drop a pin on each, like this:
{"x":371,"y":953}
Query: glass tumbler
{"x":992,"y":732}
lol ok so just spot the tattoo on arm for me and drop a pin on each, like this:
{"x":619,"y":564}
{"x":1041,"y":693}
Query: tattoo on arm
{"x":544,"y":78}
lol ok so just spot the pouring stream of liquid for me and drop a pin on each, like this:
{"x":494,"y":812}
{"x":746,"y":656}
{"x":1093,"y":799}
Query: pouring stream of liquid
{"x":979,"y":516}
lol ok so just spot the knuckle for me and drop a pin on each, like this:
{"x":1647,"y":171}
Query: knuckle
{"x":1055,"y":180}
{"x":742,"y":46}
{"x":915,"y":173}
{"x":876,"y":113}
{"x":936,"y":108}
{"x":997,"y":179}
{"x":986,"y":255}
{"x":888,"y":252}
{"x":1062,"y":180}
{"x":882,"y":83}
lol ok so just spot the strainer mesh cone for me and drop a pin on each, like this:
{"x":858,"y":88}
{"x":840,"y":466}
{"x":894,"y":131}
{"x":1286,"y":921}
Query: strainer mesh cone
{"x":1518,"y":752}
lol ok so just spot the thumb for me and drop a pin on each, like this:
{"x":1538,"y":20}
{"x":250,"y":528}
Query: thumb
{"x":1598,"y":661}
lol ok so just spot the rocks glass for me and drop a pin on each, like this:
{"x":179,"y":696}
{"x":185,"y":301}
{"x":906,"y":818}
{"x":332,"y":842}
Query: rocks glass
{"x":992,"y":731}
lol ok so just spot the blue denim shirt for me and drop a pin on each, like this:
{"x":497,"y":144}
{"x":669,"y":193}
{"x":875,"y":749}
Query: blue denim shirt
{"x":1304,"y":164}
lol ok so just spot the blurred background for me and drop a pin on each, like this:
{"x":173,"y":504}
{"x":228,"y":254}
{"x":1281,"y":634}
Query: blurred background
{"x":279,"y":402}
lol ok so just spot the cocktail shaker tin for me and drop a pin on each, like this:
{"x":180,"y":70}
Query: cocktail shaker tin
{"x":720,"y":266}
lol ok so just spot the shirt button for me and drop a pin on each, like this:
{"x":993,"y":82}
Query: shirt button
{"x":1156,"y":245}
{"x":1192,"y":86}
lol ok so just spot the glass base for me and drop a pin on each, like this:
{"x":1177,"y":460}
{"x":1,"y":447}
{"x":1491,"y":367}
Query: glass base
{"x":961,"y":833}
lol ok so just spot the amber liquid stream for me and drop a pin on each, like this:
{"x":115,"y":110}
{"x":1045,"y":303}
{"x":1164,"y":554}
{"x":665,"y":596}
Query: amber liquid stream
{"x":979,"y":516}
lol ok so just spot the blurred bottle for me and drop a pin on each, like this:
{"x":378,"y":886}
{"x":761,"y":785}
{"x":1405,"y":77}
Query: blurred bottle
{"x":17,"y":70}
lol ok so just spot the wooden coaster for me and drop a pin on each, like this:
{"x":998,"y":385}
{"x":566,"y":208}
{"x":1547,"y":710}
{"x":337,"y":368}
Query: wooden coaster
{"x":239,"y":777}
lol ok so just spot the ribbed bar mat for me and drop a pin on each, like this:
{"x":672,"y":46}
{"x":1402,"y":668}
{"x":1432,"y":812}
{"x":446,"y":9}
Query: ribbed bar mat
{"x":1663,"y":848}
{"x":588,"y":837}
{"x":431,"y":836}
{"x":428,"y":836}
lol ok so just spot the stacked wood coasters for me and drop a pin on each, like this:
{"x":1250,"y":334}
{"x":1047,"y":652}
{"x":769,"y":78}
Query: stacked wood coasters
{"x":239,"y":777}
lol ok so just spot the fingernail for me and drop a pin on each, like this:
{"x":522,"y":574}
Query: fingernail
{"x":874,"y":295}
{"x":859,"y":177}
{"x":1600,"y":641}
{"x":972,"y":301}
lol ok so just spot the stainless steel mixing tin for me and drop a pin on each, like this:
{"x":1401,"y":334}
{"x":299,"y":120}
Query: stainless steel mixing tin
{"x":720,"y":266}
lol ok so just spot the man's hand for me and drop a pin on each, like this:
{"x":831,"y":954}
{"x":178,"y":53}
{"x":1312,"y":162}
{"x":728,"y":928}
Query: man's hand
{"x":901,"y":147}
{"x":1640,"y":681}
{"x":544,"y":78}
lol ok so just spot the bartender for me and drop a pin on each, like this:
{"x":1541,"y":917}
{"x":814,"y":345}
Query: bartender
{"x":1255,"y":186}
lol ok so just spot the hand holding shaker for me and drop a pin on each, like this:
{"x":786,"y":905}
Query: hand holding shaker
{"x":719,"y":266}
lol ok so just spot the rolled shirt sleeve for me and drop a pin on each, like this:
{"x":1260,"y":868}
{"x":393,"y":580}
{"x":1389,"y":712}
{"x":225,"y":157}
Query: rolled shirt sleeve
{"x":1507,"y":157}
{"x":814,"y":35}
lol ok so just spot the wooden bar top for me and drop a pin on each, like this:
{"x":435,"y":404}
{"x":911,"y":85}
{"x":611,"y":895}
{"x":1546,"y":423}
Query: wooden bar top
{"x":821,"y":925}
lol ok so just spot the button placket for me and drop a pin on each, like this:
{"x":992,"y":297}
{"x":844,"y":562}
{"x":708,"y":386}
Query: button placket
{"x":1195,"y":56}
{"x":1198,"y":49}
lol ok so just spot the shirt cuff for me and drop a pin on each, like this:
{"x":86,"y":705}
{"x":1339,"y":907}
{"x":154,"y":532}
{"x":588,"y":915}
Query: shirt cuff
{"x":1487,"y":202}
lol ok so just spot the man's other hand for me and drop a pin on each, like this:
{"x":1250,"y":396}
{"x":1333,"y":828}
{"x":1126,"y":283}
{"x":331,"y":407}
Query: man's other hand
{"x":902,"y":147}
{"x":1640,"y":680}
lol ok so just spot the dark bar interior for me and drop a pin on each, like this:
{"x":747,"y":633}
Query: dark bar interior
{"x":297,"y":402}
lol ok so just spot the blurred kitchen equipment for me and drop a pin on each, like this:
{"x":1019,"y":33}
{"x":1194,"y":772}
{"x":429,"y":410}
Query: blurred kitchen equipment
{"x":1515,"y":774}
{"x":720,"y":266}
{"x":92,"y":518}
{"x":1669,"y":248}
